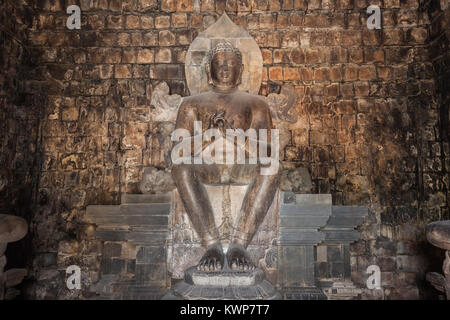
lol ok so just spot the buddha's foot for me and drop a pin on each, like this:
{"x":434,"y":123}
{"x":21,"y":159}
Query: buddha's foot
{"x":238,"y":258}
{"x":213,"y":258}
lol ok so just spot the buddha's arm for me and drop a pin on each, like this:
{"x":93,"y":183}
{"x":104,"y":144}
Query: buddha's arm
{"x":261,"y":119}
{"x":186,"y":117}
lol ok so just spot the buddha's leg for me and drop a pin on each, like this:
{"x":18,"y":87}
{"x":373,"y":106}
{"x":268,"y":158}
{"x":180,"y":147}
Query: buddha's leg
{"x":196,"y":202}
{"x":188,"y":179}
{"x":256,"y":203}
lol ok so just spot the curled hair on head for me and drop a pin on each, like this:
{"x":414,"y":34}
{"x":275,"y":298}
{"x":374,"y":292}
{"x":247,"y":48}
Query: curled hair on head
{"x":223,"y":46}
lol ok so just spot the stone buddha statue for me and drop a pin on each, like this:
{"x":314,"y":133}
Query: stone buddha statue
{"x":225,"y":108}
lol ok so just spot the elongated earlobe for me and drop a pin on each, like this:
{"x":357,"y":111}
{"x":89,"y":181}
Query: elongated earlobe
{"x":208,"y":74}
{"x":240,"y":75}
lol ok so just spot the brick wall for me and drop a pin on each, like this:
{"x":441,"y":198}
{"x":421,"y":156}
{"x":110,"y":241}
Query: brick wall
{"x":19,"y":123}
{"x":370,"y":126}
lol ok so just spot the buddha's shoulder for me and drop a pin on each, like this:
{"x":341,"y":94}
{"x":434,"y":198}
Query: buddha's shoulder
{"x":199,"y":97}
{"x":251,"y":98}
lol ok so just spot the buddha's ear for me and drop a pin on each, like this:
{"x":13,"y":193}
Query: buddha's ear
{"x":208,"y":73}
{"x":241,"y":71}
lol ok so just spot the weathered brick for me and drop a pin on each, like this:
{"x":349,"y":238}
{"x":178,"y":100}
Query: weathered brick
{"x":419,"y":35}
{"x":361,"y":88}
{"x":196,"y":20}
{"x":146,"y":5}
{"x":147,"y":22}
{"x":132,"y":22}
{"x":69,"y":114}
{"x":316,"y":20}
{"x":312,"y":56}
{"x":335,"y":73}
{"x":183,"y":37}
{"x":291,"y":74}
{"x":367,"y":72}
{"x":129,"y":55}
{"x":392,"y":36}
{"x":274,"y":5}
{"x":346,"y":89}
{"x":297,"y":56}
{"x":355,"y":55}
{"x":114,"y":22}
{"x":266,"y":21}
{"x":122,"y":71}
{"x":162,"y":22}
{"x":150,"y":39}
{"x":185,"y":5}
{"x":282,"y":21}
{"x":136,"y":39}
{"x":332,"y":90}
{"x":281,"y":56}
{"x":208,"y":5}
{"x":373,"y":55}
{"x":145,"y":56}
{"x":169,"y":5}
{"x":179,"y":20}
{"x":351,"y":38}
{"x":350,"y":72}
{"x":287,"y":4}
{"x":276,"y":73}
{"x":267,"y":56}
{"x":166,"y":38}
{"x":384,"y":72}
{"x":166,"y":71}
{"x":124,"y":39}
{"x":296,"y":20}
{"x":321,"y":74}
{"x":163,"y":55}
{"x":253,"y":22}
{"x":289,"y":39}
{"x":106,"y":71}
{"x":346,"y":107}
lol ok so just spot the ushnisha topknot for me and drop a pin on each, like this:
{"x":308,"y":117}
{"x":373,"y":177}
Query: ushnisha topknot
{"x":223,"y":46}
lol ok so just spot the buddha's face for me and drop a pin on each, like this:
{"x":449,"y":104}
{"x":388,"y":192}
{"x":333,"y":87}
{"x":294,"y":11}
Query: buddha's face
{"x":225,"y":70}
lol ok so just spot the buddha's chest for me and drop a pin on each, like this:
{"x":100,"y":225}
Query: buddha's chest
{"x":231,"y":115}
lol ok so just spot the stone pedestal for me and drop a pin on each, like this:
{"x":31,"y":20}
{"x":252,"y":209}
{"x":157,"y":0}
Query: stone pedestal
{"x":12,"y":228}
{"x":302,"y":245}
{"x":301,"y":217}
{"x":333,"y":254}
{"x":438,"y":234}
{"x":134,"y":236}
{"x":223,"y":285}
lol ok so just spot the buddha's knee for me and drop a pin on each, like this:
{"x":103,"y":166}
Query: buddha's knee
{"x":179,"y":171}
{"x":273,"y":169}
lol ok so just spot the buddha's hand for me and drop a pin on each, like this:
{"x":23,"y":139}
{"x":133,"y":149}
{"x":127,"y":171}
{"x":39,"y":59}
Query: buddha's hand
{"x":217,"y":120}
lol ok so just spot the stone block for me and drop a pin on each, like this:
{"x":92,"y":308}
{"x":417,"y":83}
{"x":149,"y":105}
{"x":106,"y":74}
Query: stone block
{"x":151,"y":254}
{"x":112,"y":266}
{"x":112,"y":250}
{"x":162,"y":22}
{"x":145,"y":56}
{"x":163,"y":55}
{"x":151,"y":272}
{"x":166,"y":38}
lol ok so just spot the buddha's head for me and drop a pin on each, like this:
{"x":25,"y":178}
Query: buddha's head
{"x":224,"y":67}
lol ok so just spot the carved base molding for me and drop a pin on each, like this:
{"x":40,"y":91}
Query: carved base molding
{"x":223,"y":285}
